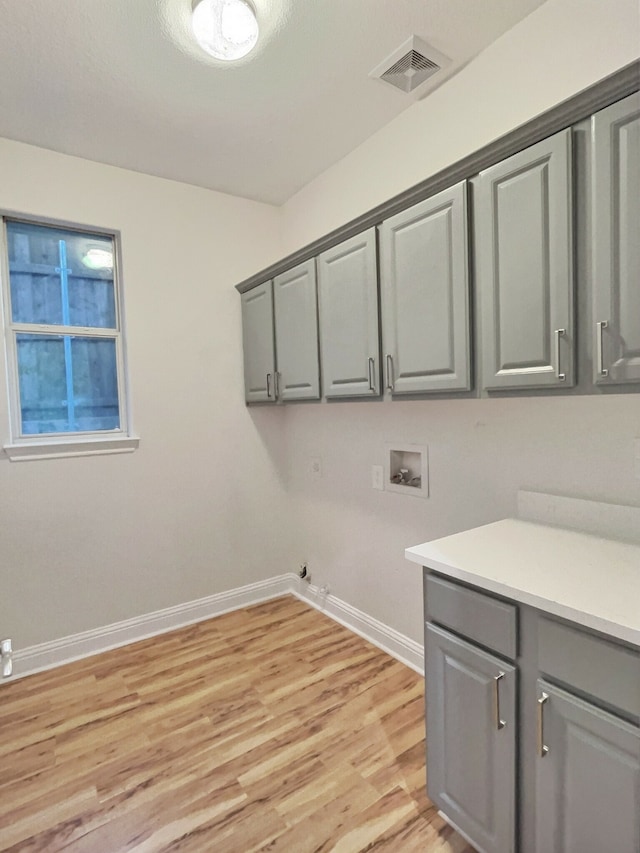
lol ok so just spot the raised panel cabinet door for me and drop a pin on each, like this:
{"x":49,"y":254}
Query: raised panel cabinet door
{"x":616,"y":242}
{"x":524,"y":252}
{"x":425,"y":295}
{"x":587,"y":779}
{"x":471,"y":739}
{"x":296,"y":323}
{"x":348,"y":304}
{"x":258,"y":344}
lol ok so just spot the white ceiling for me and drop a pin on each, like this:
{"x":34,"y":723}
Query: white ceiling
{"x":121,"y":82}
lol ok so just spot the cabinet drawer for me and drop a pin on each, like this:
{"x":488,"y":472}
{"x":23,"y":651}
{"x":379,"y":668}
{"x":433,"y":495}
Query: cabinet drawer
{"x":472,"y":614}
{"x":605,"y":670}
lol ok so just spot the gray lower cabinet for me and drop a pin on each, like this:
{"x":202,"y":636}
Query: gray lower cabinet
{"x":522,"y":211}
{"x":258,"y":344}
{"x":587,"y":777}
{"x":425,"y":295}
{"x":616,"y":242}
{"x":296,"y":333}
{"x":548,"y":765}
{"x":471,"y":739}
{"x":348,"y":307}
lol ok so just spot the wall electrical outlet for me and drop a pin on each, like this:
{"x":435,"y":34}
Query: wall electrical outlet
{"x":377,"y":477}
{"x":6,"y":657}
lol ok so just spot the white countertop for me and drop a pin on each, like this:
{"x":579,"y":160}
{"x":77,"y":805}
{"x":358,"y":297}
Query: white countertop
{"x":584,"y":578}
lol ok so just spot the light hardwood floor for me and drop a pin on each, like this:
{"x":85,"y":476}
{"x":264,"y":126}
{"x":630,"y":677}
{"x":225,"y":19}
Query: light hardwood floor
{"x":266,"y":729}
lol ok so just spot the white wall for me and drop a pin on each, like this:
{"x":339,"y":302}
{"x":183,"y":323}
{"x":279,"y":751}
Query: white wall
{"x":88,"y":541}
{"x":481,"y":451}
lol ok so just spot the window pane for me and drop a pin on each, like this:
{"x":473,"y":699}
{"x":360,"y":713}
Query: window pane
{"x":59,"y":276}
{"x":67,"y":384}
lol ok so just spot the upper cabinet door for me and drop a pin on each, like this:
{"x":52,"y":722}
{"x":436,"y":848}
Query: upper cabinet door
{"x":523,"y":226}
{"x":258,"y":346}
{"x":425,"y":295}
{"x":348,"y":299}
{"x":587,"y":775}
{"x":296,"y":321}
{"x":616,"y":242}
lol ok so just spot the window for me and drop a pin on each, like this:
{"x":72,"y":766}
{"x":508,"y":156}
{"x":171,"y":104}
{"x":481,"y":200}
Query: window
{"x":63,"y":332}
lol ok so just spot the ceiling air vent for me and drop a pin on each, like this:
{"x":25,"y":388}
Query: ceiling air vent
{"x":410,"y":65}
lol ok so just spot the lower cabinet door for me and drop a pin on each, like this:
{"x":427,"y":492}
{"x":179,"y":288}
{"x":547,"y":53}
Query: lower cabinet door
{"x":588,"y":777}
{"x":471,"y":740}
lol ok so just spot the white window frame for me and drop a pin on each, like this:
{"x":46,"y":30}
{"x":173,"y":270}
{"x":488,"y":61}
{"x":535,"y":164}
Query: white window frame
{"x":19,"y":447}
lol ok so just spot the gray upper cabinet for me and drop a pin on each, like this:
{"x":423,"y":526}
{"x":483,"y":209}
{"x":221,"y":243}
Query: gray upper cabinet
{"x":425,"y":295}
{"x":524,"y":250}
{"x":471,"y":739}
{"x":588,"y":777}
{"x":616,"y":242}
{"x":296,"y":327}
{"x":258,"y":344}
{"x":348,"y":307}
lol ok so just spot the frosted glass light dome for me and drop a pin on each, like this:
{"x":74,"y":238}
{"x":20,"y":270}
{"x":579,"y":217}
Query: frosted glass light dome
{"x":226,"y":29}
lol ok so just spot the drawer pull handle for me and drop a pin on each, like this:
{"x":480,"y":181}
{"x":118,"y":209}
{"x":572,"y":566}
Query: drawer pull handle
{"x":542,"y":749}
{"x":390,"y":377}
{"x":602,"y":370}
{"x":372,"y":367}
{"x":559,"y":334}
{"x":500,"y":724}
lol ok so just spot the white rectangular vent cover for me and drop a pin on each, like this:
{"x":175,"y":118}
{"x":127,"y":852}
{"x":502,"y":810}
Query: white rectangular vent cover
{"x":412,"y":64}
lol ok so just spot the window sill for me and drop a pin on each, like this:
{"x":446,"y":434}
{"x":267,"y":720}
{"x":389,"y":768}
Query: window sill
{"x":93,"y":446}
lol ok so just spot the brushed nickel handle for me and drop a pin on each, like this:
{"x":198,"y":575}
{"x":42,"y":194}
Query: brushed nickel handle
{"x":268,"y":385}
{"x":602,"y":370}
{"x":500,"y":724}
{"x":276,"y":377}
{"x":559,"y":333}
{"x":390,"y":377}
{"x":372,"y":366}
{"x":542,"y":749}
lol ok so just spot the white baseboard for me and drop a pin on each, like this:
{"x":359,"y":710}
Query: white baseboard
{"x":388,"y":639}
{"x":57,"y":652}
{"x":47,"y":655}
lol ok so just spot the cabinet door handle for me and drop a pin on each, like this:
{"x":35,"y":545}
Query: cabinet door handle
{"x":542,"y":749}
{"x":372,"y":367}
{"x":602,"y":370}
{"x":269,"y":385}
{"x":276,"y":383}
{"x":500,"y":724}
{"x":559,"y":333}
{"x":390,"y":378}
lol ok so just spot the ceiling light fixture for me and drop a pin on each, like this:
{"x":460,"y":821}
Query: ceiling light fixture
{"x":226,"y":29}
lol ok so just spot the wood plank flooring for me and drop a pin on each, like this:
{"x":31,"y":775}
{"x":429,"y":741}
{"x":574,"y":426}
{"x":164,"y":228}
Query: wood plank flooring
{"x":267,"y":729}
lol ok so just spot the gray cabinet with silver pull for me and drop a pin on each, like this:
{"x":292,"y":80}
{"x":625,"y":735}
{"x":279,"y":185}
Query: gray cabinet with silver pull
{"x":296,"y":331}
{"x":425,"y":295}
{"x":616,"y":242}
{"x":565,"y":738}
{"x":524,"y":268}
{"x":280,"y":338}
{"x":555,"y":259}
{"x":471,"y":739}
{"x":587,"y":777}
{"x":348,"y":308}
{"x":258,"y":344}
